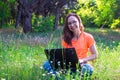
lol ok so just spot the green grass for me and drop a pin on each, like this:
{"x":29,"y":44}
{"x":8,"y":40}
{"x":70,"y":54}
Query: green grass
{"x":22,"y":55}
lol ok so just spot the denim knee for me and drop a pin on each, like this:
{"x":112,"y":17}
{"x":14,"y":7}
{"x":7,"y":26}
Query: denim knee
{"x":87,"y":69}
{"x":48,"y":67}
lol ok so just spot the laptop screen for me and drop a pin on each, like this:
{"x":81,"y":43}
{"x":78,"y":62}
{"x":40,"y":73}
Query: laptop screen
{"x":62,"y":58}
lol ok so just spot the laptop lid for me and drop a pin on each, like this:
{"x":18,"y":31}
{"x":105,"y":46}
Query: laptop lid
{"x":62,"y":58}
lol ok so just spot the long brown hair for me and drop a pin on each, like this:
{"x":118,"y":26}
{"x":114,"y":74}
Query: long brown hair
{"x":67,"y":34}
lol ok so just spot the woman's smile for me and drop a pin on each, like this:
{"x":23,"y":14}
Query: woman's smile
{"x":73,"y":23}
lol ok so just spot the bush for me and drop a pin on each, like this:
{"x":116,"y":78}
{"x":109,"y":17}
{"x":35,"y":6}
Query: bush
{"x":115,"y":24}
{"x":42,"y":24}
{"x":4,"y":13}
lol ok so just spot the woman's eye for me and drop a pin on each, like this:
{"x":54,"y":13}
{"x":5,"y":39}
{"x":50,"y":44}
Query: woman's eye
{"x":69,"y":23}
{"x":74,"y":21}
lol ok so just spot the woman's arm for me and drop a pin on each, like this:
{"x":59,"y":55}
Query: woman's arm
{"x":93,"y":55}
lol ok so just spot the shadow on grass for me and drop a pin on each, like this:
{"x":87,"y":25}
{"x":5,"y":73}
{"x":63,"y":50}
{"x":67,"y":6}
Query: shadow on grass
{"x":108,"y":37}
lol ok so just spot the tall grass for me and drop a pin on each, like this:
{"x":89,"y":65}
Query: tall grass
{"x":22,"y":56}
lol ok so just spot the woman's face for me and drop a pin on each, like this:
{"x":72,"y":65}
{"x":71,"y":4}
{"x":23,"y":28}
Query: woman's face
{"x":73,"y":24}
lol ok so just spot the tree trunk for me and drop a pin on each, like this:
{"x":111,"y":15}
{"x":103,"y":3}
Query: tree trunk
{"x":24,"y":16}
{"x":27,"y":25}
{"x":56,"y":18}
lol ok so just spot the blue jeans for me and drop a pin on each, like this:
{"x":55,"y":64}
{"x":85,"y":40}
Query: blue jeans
{"x":86,"y":69}
{"x":48,"y":67}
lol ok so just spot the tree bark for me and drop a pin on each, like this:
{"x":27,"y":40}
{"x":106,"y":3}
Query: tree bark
{"x":24,"y":16}
{"x":56,"y":18}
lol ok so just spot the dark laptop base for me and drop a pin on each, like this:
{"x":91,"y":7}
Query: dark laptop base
{"x":62,"y":58}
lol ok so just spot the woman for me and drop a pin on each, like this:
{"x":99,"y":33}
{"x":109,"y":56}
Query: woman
{"x":74,"y":36}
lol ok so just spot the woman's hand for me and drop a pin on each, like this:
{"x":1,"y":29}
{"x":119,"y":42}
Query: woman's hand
{"x":81,"y":61}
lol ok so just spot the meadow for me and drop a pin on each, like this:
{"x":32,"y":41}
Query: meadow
{"x":22,"y":55}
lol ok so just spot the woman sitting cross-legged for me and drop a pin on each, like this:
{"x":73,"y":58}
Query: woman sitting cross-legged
{"x":74,"y":36}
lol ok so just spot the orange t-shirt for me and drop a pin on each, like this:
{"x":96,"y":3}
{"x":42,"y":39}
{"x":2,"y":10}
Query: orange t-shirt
{"x":81,"y":45}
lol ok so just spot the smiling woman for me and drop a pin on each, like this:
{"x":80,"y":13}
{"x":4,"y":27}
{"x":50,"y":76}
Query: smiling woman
{"x":75,"y":37}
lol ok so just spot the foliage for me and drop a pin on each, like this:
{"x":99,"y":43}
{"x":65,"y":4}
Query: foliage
{"x":117,"y":12}
{"x":43,"y":24}
{"x":19,"y":60}
{"x":97,"y":13}
{"x":87,"y":12}
{"x":115,"y":24}
{"x":105,"y":12}
{"x":7,"y":13}
{"x":4,"y":12}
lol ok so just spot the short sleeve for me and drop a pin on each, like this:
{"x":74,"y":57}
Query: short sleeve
{"x":90,"y":40}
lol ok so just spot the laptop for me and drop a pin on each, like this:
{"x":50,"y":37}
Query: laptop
{"x":62,"y":58}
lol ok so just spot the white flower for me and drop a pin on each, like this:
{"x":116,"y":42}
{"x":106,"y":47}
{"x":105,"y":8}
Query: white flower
{"x":43,"y":74}
{"x":41,"y":67}
{"x":3,"y":79}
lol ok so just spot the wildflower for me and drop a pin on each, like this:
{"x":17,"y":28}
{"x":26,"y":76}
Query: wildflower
{"x":48,"y":73}
{"x":51,"y":72}
{"x":43,"y":74}
{"x":53,"y":75}
{"x":58,"y":63}
{"x":41,"y":67}
{"x":51,"y":61}
{"x":3,"y":79}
